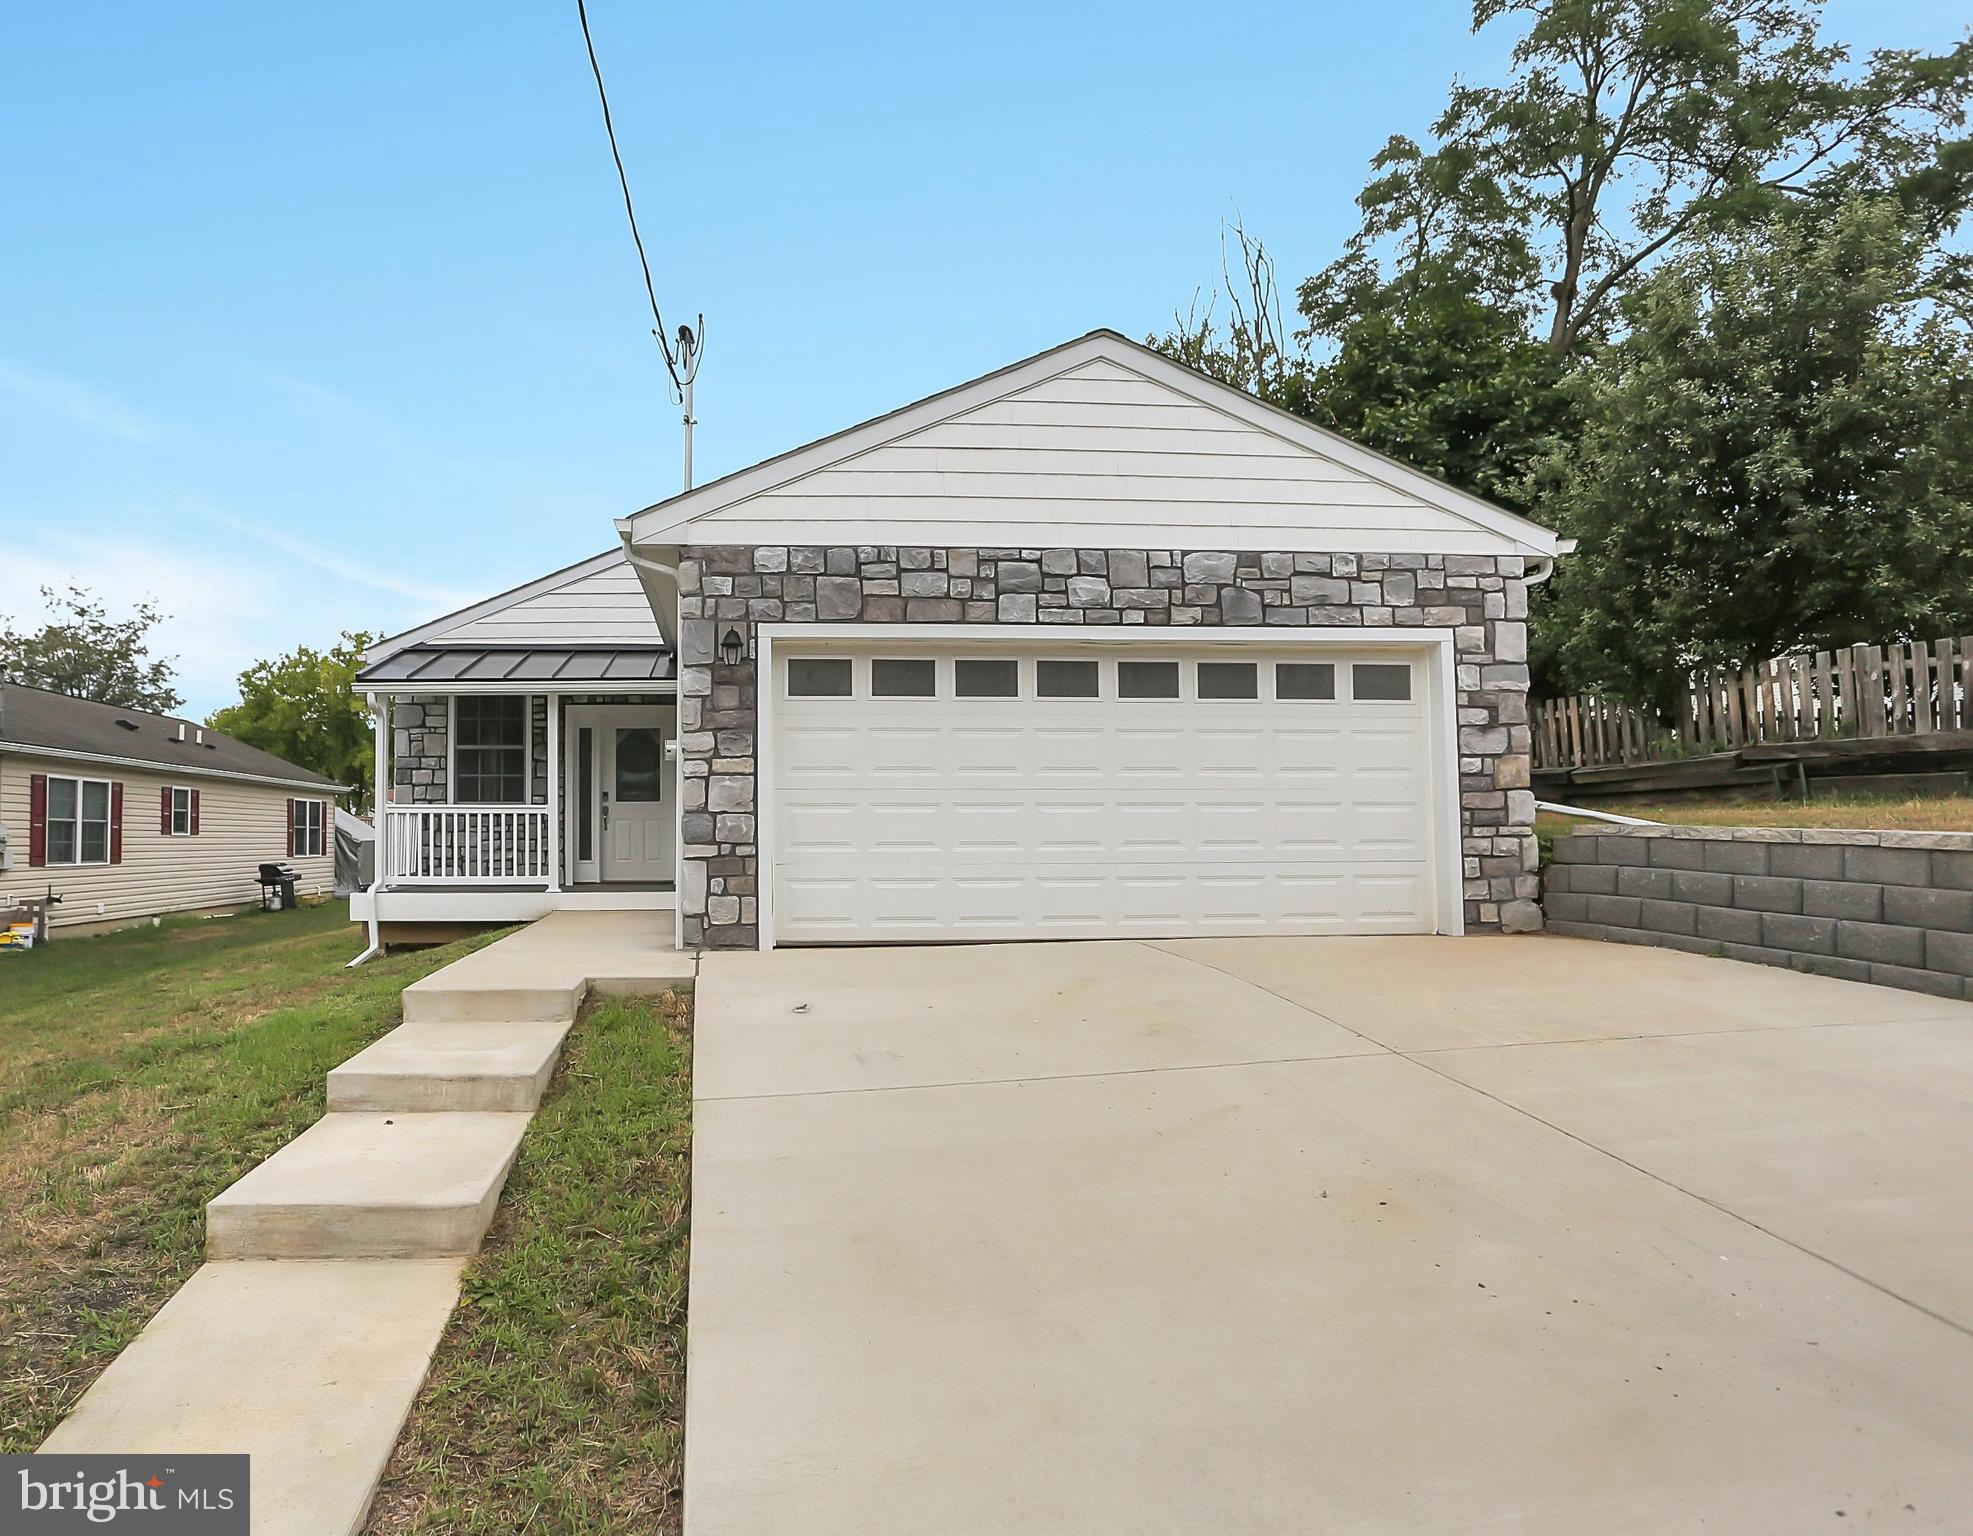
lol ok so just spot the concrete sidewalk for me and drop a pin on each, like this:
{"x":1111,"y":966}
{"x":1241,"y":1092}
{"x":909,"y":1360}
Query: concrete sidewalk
{"x":1531,"y":1235}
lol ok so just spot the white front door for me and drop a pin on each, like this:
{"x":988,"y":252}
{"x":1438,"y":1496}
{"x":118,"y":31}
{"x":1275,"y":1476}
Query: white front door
{"x":619,"y":792}
{"x":985,"y":791}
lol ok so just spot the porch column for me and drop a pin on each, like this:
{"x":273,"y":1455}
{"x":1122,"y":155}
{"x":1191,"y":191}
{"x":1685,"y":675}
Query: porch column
{"x":380,"y":794}
{"x":554,"y":792}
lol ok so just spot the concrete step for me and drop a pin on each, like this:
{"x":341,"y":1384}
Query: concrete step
{"x":441,"y":1000}
{"x":427,"y":1066}
{"x":309,"y":1368}
{"x":370,"y":1186}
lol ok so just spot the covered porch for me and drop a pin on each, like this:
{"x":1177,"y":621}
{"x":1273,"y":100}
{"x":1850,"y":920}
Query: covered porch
{"x":522,"y":780}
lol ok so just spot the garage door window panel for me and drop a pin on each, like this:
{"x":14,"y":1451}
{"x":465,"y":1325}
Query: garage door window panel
{"x":1305,"y":681}
{"x":1066,"y":679}
{"x":820,"y":677}
{"x":1229,"y":680}
{"x":976,"y":678}
{"x":1147,"y":679}
{"x":903,"y":678}
{"x":1381,"y":682}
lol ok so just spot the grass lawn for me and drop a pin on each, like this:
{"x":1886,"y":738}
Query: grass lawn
{"x":556,"y":1400}
{"x":140,"y":1074}
{"x":1879,"y":813}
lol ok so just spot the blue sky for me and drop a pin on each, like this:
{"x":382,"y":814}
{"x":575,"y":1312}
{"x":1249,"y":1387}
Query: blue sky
{"x":326,"y":317}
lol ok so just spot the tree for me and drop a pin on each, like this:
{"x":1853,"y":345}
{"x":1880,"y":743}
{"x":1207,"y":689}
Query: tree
{"x":84,"y":652}
{"x":1777,"y":454}
{"x":1627,"y":126}
{"x":304,"y":707}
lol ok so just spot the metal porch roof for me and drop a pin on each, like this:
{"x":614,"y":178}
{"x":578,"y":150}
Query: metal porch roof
{"x":533,"y":667}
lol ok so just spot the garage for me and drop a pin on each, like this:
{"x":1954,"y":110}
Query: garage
{"x":981,"y":789}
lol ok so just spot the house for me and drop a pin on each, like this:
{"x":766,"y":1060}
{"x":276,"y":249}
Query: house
{"x":125,"y":814}
{"x":1091,"y":646}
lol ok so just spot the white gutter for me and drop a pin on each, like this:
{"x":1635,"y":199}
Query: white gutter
{"x":151,"y":765}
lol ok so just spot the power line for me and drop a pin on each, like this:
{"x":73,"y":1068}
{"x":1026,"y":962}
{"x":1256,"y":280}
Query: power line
{"x":689,"y":346}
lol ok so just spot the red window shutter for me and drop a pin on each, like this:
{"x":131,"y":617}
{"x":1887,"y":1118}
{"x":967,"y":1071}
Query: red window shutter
{"x":37,"y":820}
{"x":291,"y":828}
{"x":116,"y":821}
{"x":195,"y":813}
{"x":164,"y":810}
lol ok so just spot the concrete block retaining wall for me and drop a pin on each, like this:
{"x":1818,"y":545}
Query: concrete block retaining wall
{"x":1895,"y":908}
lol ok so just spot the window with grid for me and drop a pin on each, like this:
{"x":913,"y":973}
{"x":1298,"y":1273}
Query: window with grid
{"x":490,"y":751}
{"x":78,"y":821}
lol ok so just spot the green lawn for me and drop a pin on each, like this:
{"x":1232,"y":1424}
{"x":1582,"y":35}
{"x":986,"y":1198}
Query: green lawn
{"x":556,"y":1400}
{"x":140,"y":1074}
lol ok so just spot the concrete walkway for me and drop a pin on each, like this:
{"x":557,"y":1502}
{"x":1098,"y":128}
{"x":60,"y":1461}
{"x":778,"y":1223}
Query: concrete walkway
{"x":1398,"y":1235}
{"x":337,"y":1261}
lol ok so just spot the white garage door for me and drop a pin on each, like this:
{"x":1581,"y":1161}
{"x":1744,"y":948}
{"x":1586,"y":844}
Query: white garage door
{"x":977,"y":792}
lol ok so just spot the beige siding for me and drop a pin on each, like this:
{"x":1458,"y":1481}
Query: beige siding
{"x":607,"y":607}
{"x":1101,"y":444}
{"x":240,"y":827}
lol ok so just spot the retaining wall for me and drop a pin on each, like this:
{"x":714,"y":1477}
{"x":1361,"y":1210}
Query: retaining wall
{"x":1895,"y":908}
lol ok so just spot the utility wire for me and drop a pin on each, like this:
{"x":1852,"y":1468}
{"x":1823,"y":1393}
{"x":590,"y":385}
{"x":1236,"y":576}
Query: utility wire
{"x":650,"y":292}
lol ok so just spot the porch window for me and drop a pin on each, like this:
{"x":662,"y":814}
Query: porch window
{"x":490,"y":750}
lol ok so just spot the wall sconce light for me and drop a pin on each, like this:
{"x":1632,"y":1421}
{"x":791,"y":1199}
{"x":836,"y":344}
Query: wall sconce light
{"x":730,"y":648}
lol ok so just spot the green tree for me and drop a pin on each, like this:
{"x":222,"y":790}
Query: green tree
{"x":304,"y":707}
{"x":1777,"y":453}
{"x":82,"y":651}
{"x":1627,"y":126}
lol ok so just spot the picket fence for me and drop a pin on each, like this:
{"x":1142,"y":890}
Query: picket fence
{"x":1908,"y":688}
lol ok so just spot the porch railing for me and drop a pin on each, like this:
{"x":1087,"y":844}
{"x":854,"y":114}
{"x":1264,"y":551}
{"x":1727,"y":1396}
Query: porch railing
{"x":465,"y":845}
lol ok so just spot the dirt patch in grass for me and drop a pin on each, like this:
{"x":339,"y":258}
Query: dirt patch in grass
{"x":556,"y":1399}
{"x":162,"y":1066}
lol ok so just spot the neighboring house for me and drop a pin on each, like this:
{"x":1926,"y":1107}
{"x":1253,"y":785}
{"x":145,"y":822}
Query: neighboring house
{"x":125,"y":814}
{"x":1092,"y":646}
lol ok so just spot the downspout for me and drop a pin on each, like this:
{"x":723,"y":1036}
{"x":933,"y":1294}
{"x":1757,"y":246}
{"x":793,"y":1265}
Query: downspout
{"x":658,"y":567}
{"x":1541,"y":567}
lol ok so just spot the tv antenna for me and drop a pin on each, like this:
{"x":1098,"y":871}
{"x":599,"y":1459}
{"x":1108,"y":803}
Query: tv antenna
{"x":683,"y":352}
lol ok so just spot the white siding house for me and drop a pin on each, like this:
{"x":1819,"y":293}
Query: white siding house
{"x":1090,"y":645}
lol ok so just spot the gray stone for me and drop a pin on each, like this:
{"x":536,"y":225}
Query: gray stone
{"x":730,"y":792}
{"x":1677,"y":853}
{"x":1088,"y":592}
{"x":1729,"y":926}
{"x":1239,"y":606}
{"x":695,"y":827}
{"x":1573,"y":848}
{"x":1614,"y":911}
{"x":1881,"y":943}
{"x":1129,"y":568}
{"x":1937,"y":983}
{"x":1669,"y":916}
{"x":1318,"y":589}
{"x":735,"y":827}
{"x":1015,"y":608}
{"x":1949,"y":952}
{"x":1594,"y":879}
{"x":933,"y":610}
{"x":1520,"y":916}
{"x":1737,"y":858}
{"x":1805,"y":860}
{"x":1810,"y":935}
{"x":1764,"y":893}
{"x":1925,"y":908}
{"x":1209,"y":565}
{"x":1635,"y":881}
{"x":1952,"y":870}
{"x":838,"y":597}
{"x":1058,"y":562}
{"x":924,"y":584}
{"x":1888,"y":866}
{"x":1018,"y":576}
{"x":1851,"y":900}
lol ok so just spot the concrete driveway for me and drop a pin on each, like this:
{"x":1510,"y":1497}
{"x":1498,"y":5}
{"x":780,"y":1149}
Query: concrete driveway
{"x":1333,"y":1235}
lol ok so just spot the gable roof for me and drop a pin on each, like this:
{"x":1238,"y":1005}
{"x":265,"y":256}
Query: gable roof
{"x":1100,"y":441}
{"x":37,"y":721}
{"x":595,"y":602}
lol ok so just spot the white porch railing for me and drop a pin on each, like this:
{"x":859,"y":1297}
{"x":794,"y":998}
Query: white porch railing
{"x":465,"y":845}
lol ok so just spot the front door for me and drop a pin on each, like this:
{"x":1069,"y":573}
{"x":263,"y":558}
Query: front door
{"x":619,"y":804}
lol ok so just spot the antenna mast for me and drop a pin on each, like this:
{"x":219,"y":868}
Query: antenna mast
{"x":686,"y":373}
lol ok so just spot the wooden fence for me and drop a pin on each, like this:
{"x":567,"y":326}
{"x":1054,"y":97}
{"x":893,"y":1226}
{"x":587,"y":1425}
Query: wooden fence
{"x":1910,"y":688}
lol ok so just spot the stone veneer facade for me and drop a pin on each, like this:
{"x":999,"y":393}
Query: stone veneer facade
{"x":1481,"y":598}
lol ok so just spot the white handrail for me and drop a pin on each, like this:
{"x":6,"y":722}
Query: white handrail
{"x":464,"y":845}
{"x":1609,"y":816}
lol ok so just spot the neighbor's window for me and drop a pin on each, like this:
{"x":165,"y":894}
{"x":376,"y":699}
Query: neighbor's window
{"x":181,"y":812}
{"x":1304,"y":680}
{"x":914,"y":679}
{"x":986,"y":679}
{"x":1229,"y":680}
{"x":1147,"y":679}
{"x":1065,"y":679}
{"x":819,"y":677}
{"x":309,"y":829}
{"x":1380,"y":680}
{"x":78,"y":821}
{"x":490,"y":754}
